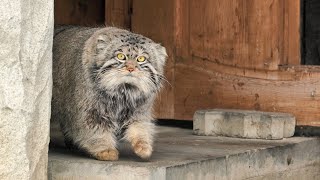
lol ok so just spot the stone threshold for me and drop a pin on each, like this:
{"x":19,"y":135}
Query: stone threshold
{"x":181,"y":155}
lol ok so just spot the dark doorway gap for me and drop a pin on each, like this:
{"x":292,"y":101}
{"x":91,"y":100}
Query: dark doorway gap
{"x":310,"y":32}
{"x":175,"y":123}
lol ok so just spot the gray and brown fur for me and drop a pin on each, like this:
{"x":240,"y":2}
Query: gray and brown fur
{"x":97,"y":99}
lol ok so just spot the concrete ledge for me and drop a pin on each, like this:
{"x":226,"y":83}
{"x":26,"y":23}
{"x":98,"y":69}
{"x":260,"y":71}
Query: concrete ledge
{"x":181,"y":155}
{"x":244,"y":124}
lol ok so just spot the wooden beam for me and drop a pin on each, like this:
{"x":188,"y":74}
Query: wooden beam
{"x":205,"y":85}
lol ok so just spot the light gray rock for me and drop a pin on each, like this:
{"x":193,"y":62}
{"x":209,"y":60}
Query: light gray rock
{"x":244,"y":124}
{"x":26,"y":33}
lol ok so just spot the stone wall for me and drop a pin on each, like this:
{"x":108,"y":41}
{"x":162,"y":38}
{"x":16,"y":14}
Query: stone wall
{"x":26,"y":33}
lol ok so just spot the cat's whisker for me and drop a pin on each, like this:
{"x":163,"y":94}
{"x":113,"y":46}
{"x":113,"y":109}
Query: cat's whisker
{"x":149,"y":81}
{"x":163,"y":78}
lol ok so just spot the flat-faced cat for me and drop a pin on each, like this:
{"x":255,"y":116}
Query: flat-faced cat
{"x":105,"y":83}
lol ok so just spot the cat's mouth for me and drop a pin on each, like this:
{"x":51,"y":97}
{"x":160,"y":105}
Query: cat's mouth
{"x":125,"y":82}
{"x":129,"y":86}
{"x":130,"y":75}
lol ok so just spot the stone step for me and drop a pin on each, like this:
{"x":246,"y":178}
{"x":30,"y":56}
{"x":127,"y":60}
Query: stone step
{"x":244,"y":124}
{"x":181,"y":155}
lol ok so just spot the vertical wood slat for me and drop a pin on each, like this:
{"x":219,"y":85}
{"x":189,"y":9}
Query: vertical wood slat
{"x":265,"y":34}
{"x":79,"y":12}
{"x":292,"y":33}
{"x":155,"y":19}
{"x":118,"y":13}
{"x":196,"y":27}
{"x":181,"y":29}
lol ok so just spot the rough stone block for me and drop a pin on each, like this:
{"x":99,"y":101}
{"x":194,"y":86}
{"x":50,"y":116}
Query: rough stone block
{"x":243,"y":123}
{"x":26,"y":35}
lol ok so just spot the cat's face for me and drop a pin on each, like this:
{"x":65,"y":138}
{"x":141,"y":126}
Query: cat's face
{"x":124,"y":60}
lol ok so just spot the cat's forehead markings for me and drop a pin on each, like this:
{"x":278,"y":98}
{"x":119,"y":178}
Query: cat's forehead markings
{"x":141,"y":47}
{"x":135,"y":56}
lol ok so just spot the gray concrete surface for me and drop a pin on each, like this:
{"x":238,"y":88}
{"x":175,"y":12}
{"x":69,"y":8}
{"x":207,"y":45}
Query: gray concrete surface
{"x":244,"y":124}
{"x":181,"y":155}
{"x":26,"y":35}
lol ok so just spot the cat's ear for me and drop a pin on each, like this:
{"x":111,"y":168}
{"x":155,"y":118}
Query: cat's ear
{"x":101,"y":42}
{"x":107,"y":34}
{"x":161,"y":57}
{"x":102,"y":38}
{"x":162,"y":52}
{"x":160,"y":49}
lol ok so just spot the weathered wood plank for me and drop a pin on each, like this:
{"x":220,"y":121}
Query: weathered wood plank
{"x":79,"y":12}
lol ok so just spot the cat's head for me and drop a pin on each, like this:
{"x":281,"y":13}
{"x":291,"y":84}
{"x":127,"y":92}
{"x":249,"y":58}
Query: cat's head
{"x":118,"y":60}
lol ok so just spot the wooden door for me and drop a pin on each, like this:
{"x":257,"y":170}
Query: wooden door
{"x":241,"y":54}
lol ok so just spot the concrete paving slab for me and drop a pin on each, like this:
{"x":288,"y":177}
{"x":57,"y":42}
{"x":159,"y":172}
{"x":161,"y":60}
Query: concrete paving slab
{"x":244,"y":124}
{"x":181,"y":155}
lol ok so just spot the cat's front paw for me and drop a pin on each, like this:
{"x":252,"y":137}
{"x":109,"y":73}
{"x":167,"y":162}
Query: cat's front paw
{"x":108,"y":155}
{"x":142,"y":149}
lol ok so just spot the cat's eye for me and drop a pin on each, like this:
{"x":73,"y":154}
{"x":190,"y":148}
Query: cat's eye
{"x":141,"y":59}
{"x":121,"y":56}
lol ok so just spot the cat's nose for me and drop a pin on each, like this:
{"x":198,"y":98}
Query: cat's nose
{"x":131,"y":66}
{"x":130,"y":69}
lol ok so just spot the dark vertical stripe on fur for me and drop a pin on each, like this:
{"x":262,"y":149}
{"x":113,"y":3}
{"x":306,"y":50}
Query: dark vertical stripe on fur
{"x":152,"y":75}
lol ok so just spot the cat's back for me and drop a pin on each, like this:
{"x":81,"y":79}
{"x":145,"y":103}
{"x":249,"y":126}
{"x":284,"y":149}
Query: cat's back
{"x":68,"y":44}
{"x":69,"y":81}
{"x":68,"y":47}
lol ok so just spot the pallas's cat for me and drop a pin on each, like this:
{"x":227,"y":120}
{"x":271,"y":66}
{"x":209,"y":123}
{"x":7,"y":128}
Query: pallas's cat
{"x":105,"y":83}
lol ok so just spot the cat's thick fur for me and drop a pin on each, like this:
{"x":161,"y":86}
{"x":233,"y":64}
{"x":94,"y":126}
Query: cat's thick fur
{"x":100,"y":99}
